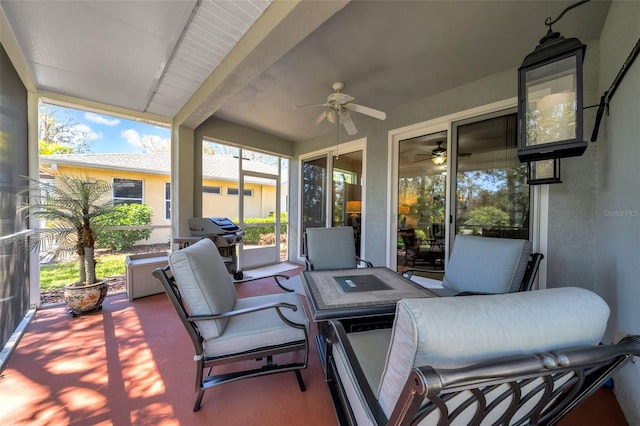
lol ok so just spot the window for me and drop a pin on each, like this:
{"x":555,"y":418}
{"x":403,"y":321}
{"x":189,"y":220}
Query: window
{"x":234,"y":191}
{"x":167,"y":200}
{"x":127,"y":191}
{"x":212,"y":190}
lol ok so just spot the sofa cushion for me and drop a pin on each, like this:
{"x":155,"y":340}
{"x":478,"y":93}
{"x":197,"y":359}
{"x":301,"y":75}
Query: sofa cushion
{"x":453,"y":332}
{"x":489,"y":265}
{"x":205,"y":284}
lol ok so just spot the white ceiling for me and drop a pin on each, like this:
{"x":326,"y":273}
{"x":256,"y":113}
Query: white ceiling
{"x":189,"y":59}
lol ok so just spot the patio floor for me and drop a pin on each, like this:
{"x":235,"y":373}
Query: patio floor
{"x":130,"y":364}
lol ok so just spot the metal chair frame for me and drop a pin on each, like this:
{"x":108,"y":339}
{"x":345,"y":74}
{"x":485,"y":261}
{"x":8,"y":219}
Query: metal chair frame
{"x":207,"y":381}
{"x":560,"y":380}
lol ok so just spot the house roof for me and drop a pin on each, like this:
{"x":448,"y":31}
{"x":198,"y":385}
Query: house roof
{"x":219,"y":167}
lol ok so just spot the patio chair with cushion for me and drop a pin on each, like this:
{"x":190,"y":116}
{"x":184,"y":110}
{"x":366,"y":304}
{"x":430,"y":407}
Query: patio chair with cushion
{"x":521,"y":358}
{"x":483,"y":265}
{"x":225,"y":329}
{"x":331,"y":248}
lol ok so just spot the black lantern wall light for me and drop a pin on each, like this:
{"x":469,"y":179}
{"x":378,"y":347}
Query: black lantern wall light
{"x":550,"y":103}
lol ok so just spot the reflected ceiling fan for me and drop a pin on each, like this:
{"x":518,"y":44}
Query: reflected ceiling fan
{"x":439,"y":154}
{"x":338,"y":109}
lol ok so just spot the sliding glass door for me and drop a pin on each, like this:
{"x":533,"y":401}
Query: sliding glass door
{"x":458,"y":177}
{"x":332,"y":193}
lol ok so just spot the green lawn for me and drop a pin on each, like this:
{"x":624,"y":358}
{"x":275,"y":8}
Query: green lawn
{"x":57,"y":275}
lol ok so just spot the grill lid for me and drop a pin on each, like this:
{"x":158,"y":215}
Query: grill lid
{"x":212,"y":226}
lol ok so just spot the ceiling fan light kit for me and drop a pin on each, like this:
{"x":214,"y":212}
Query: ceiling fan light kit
{"x":339,"y":107}
{"x":439,"y":155}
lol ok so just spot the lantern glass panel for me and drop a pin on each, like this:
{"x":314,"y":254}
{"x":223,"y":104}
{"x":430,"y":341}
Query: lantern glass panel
{"x":551,"y":113}
{"x":544,"y":169}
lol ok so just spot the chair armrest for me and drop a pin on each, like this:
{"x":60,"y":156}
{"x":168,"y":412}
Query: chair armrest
{"x":473,"y":293}
{"x":366,"y":262}
{"x":408,"y":273}
{"x":276,"y":305}
{"x":338,"y":335}
{"x":592,"y":366}
{"x":276,"y":278}
{"x":308,"y":263}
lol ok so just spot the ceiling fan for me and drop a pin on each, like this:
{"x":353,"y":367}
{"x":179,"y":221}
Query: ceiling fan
{"x":439,"y":155}
{"x":339,"y":107}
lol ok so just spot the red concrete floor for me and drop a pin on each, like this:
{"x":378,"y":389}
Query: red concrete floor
{"x":131,"y":364}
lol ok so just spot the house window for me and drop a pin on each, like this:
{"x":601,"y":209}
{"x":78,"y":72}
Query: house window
{"x":167,"y":200}
{"x":235,"y":191}
{"x":212,"y":190}
{"x":127,"y":191}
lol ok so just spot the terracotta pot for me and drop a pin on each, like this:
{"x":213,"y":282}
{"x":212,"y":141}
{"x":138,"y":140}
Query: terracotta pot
{"x":86,"y":297}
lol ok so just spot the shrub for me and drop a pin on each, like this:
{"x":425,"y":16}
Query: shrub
{"x":270,"y":239}
{"x":252,"y":235}
{"x":124,"y":215}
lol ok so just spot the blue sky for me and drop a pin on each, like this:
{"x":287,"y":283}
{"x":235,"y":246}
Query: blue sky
{"x":109,"y":134}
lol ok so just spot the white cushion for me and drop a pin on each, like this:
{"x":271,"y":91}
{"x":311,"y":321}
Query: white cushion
{"x":452,"y":332}
{"x":489,"y":265}
{"x":261,"y":328}
{"x":331,"y":248}
{"x":205,"y":284}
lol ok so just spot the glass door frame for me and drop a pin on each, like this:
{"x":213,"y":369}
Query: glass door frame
{"x":330,"y":152}
{"x":395,"y":137}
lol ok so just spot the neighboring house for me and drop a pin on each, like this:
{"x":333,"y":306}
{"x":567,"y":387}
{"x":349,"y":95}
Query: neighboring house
{"x":146,"y":179}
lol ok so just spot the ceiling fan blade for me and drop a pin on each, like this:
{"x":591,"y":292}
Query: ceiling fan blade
{"x":311,"y":105}
{"x":349,"y":126}
{"x":321,"y":117}
{"x":367,"y":111}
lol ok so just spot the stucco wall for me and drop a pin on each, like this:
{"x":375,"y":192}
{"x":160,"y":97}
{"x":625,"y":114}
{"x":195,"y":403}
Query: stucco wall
{"x":617,"y":204}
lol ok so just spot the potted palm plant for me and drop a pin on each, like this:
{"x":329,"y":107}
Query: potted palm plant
{"x":69,"y":206}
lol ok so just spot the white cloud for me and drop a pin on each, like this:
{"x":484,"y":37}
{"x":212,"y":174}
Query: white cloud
{"x":101,"y":119}
{"x":83,"y":129}
{"x":149,"y":143}
{"x":131,"y":136}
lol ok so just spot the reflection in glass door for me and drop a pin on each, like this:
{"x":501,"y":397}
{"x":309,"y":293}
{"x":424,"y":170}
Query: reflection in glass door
{"x":491,"y":194}
{"x":314,"y":195}
{"x":421,"y":201}
{"x":340,"y":204}
{"x":347,"y":194}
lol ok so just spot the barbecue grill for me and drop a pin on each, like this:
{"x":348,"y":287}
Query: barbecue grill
{"x":225,"y":235}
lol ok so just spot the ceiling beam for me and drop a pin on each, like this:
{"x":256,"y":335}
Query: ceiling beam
{"x":10,"y":45}
{"x":282,"y":26}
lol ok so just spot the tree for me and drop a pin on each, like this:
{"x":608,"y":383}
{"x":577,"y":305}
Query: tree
{"x":71,"y":207}
{"x":58,"y":135}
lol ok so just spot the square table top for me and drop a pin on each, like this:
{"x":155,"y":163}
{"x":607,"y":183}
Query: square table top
{"x":347,"y":293}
